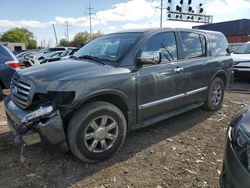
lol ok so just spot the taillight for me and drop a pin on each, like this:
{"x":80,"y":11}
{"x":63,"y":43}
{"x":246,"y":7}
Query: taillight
{"x":13,"y":64}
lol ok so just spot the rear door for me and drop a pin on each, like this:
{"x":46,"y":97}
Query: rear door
{"x":160,"y":87}
{"x":194,"y":59}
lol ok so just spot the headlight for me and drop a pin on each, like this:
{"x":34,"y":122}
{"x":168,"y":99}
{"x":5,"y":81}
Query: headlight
{"x":240,"y":139}
{"x":241,"y":145}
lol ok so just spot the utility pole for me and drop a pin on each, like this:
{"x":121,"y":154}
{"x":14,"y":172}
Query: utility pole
{"x":161,"y":9}
{"x":161,"y":14}
{"x":89,"y":13}
{"x":55,"y":34}
{"x":67,"y":30}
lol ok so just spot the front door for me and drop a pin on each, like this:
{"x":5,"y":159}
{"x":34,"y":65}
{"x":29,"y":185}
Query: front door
{"x":160,"y":87}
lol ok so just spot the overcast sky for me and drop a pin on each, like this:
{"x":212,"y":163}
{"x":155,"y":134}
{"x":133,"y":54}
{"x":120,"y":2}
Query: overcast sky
{"x":111,"y":15}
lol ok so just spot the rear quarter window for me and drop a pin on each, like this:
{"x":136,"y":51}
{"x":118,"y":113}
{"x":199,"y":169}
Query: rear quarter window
{"x":219,"y":44}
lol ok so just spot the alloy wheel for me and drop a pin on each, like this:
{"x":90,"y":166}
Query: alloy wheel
{"x":101,"y":133}
{"x":217,"y":94}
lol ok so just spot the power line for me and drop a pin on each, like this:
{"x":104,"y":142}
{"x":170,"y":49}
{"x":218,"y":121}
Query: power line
{"x":89,"y":13}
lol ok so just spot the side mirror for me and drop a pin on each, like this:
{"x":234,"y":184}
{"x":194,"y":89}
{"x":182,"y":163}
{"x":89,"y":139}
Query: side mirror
{"x":151,"y":57}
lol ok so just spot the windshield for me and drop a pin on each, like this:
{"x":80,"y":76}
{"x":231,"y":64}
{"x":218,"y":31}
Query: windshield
{"x":110,"y":47}
{"x":243,"y":49}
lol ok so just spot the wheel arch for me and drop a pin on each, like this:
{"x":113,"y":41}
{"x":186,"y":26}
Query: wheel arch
{"x":115,"y":97}
{"x":220,"y":74}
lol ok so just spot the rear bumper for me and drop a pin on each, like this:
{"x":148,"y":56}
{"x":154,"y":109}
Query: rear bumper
{"x":48,"y":128}
{"x":233,"y":174}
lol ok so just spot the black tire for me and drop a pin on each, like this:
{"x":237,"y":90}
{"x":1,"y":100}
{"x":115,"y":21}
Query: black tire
{"x":215,"y":99}
{"x":82,"y":122}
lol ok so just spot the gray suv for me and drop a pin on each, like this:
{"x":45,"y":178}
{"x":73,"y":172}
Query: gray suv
{"x":117,"y":83}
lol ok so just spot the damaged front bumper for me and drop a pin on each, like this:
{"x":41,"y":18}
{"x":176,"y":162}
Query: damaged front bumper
{"x":32,"y":127}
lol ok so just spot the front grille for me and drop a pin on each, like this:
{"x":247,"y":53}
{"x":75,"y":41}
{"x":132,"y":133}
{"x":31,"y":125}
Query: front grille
{"x":20,"y":91}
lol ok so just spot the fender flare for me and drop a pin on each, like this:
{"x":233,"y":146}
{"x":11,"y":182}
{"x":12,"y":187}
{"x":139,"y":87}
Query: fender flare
{"x":219,"y":73}
{"x":89,"y":96}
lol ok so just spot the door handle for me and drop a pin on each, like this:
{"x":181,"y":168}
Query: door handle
{"x":178,"y":69}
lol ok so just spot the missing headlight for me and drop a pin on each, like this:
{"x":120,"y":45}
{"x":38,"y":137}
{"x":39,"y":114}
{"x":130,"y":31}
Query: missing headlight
{"x":62,"y":98}
{"x":41,"y":112}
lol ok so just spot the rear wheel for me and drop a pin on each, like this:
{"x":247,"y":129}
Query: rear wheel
{"x":215,"y":95}
{"x":96,"y":131}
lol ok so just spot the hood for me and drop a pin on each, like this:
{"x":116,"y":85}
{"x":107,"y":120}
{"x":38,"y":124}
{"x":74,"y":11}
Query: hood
{"x":240,"y":57}
{"x":65,"y":70}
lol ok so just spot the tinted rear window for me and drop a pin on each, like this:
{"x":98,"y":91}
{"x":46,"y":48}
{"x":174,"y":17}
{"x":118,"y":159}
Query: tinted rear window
{"x":5,"y":55}
{"x":219,"y":44}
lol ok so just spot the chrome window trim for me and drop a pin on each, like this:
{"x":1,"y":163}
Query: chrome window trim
{"x":146,"y":105}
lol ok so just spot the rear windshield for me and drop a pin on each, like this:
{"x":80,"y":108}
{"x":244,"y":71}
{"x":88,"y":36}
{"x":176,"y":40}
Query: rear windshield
{"x":5,"y":55}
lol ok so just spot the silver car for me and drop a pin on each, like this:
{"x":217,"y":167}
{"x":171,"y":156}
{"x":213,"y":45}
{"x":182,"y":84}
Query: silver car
{"x":241,"y":58}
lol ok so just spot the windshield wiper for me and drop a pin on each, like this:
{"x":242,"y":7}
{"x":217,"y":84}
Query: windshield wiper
{"x":168,"y":52}
{"x":91,"y":58}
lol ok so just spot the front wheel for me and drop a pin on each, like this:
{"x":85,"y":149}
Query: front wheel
{"x":96,"y":131}
{"x":215,"y":95}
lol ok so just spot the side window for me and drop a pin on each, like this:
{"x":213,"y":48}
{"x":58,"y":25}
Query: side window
{"x":165,"y":43}
{"x":194,"y":45}
{"x":219,"y":44}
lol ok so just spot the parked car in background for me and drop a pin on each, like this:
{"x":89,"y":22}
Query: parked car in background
{"x":8,"y":66}
{"x":65,"y":55}
{"x":49,"y":50}
{"x":36,"y":58}
{"x":241,"y":58}
{"x":49,"y":55}
{"x":236,"y":166}
{"x":117,"y":83}
{"x":234,"y":46}
{"x":21,"y":56}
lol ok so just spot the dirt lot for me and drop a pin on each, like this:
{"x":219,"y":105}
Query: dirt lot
{"x":185,"y":151}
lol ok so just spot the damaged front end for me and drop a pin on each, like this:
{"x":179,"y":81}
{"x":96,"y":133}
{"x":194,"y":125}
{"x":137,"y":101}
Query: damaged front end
{"x":32,"y":126}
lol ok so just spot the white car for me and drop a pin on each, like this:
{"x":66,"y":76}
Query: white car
{"x":241,"y":58}
{"x":36,"y":58}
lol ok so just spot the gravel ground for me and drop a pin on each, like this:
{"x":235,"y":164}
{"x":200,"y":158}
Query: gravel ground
{"x":184,"y":151}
